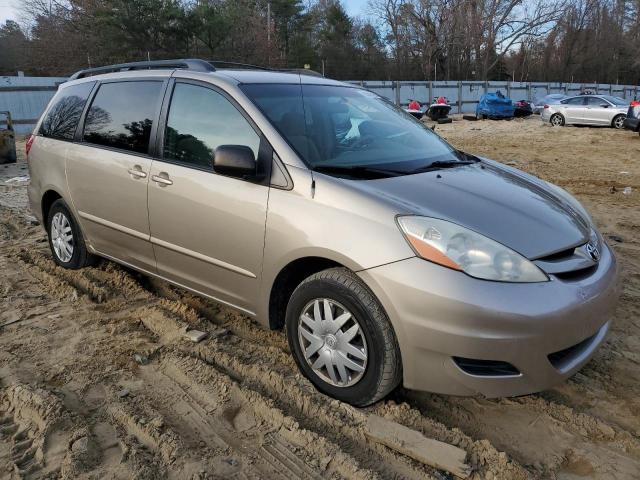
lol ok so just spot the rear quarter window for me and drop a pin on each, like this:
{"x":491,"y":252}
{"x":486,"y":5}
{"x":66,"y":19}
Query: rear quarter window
{"x":61,"y":120}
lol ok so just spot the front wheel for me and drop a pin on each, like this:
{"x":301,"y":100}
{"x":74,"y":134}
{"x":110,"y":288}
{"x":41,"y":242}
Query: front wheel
{"x":556,"y":120}
{"x":618,"y":122}
{"x":341,"y":338}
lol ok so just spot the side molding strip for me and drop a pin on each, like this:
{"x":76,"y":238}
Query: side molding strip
{"x":204,"y":258}
{"x":114,"y":226}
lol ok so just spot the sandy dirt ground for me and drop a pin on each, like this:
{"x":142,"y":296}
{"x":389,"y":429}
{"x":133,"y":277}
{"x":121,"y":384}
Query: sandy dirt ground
{"x":97,"y":381}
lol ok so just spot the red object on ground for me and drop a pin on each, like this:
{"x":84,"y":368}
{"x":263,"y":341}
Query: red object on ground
{"x":414,"y":105}
{"x":441,"y":101}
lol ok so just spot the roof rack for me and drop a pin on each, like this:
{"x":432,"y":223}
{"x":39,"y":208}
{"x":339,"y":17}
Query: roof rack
{"x":189,"y":64}
{"x":195,"y":64}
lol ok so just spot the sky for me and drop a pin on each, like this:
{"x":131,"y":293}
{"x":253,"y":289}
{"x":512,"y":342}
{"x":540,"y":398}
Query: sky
{"x":8,"y":9}
{"x":353,"y":7}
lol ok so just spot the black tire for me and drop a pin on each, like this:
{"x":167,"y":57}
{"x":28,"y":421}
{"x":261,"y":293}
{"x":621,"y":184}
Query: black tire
{"x":442,"y":121}
{"x":471,"y":118}
{"x":383,"y":371}
{"x":80,"y":256}
{"x":560,"y":120}
{"x":617,"y":123}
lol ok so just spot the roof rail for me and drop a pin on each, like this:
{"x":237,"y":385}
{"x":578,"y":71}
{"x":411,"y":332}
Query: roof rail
{"x":190,"y":64}
{"x":223,"y":64}
{"x":248,"y":66}
{"x":302,"y":71}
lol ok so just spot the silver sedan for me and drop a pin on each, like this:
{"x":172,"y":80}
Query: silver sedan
{"x":603,"y":110}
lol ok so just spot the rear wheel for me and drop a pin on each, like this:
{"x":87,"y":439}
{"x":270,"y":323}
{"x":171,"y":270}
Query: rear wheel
{"x":556,"y":120}
{"x":65,"y":238}
{"x":341,"y":338}
{"x":618,"y":121}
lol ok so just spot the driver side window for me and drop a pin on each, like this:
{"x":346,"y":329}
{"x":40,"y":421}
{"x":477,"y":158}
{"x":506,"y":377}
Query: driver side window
{"x":200,"y":120}
{"x":596,"y":102}
{"x":575,"y":101}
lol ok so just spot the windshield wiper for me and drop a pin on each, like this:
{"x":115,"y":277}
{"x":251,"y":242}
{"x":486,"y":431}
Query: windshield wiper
{"x":440,"y":164}
{"x":357,"y":170}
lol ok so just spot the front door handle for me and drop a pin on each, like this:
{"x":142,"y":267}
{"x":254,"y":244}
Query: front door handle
{"x":136,"y":172}
{"x":162,"y":179}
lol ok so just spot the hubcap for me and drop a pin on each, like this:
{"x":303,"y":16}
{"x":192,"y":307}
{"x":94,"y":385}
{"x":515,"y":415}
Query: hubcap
{"x":556,"y":121}
{"x":62,"y":237}
{"x":619,"y":122}
{"x":332,"y":342}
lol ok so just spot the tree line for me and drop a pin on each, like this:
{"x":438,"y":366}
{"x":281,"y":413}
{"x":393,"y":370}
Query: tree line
{"x":519,"y":40}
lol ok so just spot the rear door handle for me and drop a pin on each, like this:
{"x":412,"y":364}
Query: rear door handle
{"x":136,"y":172}
{"x":162,"y":179}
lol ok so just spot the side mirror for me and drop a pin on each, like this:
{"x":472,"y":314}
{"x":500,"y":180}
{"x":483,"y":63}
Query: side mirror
{"x":234,"y":161}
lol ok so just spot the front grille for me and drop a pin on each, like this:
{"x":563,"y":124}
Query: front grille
{"x":559,"y":256}
{"x":577,"y":275}
{"x":564,"y":357}
{"x":572,"y":264}
{"x":486,"y":368}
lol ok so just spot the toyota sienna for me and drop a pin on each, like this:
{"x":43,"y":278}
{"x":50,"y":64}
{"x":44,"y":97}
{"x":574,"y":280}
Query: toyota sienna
{"x":386,"y":254}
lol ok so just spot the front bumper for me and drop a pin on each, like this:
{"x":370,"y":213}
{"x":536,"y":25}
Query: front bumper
{"x":439,"y":313}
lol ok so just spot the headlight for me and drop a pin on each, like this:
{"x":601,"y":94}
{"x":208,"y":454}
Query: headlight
{"x":462,"y":249}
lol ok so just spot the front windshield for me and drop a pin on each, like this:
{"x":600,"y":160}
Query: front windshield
{"x":344,"y":127}
{"x":616,"y":100}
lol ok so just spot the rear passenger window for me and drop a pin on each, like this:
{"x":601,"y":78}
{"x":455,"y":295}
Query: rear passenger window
{"x":122,"y":114}
{"x":200,"y":120}
{"x":62,"y":118}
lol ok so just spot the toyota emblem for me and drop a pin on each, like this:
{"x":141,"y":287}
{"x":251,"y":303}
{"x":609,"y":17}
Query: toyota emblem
{"x":593,"y":252}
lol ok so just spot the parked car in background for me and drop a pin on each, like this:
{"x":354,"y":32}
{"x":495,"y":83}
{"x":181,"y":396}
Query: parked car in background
{"x":318,"y":207}
{"x":523,"y":109}
{"x":602,"y":110}
{"x":632,"y":122}
{"x":539,"y":103}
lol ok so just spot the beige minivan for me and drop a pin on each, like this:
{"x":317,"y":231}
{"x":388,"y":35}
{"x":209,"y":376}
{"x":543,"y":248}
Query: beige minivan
{"x":316,"y":206}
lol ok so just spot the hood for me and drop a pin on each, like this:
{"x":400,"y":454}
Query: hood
{"x":504,"y":204}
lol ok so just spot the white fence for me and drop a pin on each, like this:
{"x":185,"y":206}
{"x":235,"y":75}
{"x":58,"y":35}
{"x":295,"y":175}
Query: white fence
{"x":464,"y":96}
{"x":26,"y":97}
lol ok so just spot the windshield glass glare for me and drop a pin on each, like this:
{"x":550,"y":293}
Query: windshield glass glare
{"x":335,"y":126}
{"x":616,"y":100}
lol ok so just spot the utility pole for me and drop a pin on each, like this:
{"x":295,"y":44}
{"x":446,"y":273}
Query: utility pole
{"x":269,"y":33}
{"x":269,"y":23}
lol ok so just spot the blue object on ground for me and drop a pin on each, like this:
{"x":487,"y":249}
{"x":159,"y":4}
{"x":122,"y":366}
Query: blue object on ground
{"x":495,"y":105}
